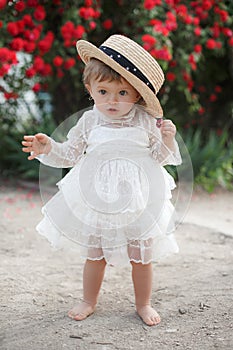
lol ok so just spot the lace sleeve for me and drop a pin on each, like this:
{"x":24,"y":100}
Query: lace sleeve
{"x":159,"y":150}
{"x":68,"y":153}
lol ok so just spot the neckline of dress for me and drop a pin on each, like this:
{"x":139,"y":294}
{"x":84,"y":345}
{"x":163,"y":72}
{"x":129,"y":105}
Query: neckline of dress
{"x":124,"y":118}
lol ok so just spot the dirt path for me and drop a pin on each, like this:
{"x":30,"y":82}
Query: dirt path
{"x":193,"y":291}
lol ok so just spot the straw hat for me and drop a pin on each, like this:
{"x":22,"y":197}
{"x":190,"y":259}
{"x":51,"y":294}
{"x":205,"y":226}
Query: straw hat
{"x":133,"y":63}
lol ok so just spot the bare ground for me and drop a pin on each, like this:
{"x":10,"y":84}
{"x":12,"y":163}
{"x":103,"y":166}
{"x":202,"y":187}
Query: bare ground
{"x":193,"y":291}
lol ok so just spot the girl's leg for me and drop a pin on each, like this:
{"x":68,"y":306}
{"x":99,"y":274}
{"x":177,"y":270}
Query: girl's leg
{"x":142,"y":279}
{"x":93,"y":274}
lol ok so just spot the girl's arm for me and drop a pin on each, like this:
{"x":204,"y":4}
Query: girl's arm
{"x":56,"y":154}
{"x":164,"y":145}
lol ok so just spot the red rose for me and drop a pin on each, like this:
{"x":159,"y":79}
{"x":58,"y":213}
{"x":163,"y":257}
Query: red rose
{"x":196,"y":21}
{"x":45,"y":44}
{"x":218,"y":89}
{"x":12,"y":28}
{"x":181,"y":10}
{"x":107,"y":24}
{"x":170,"y":76}
{"x":67,"y":30}
{"x":32,"y":3}
{"x":4,"y":69}
{"x":192,"y":62}
{"x":206,"y":5}
{"x":215,"y":30}
{"x":30,"y":72}
{"x":150,"y":4}
{"x":161,"y":54}
{"x":21,"y":26}
{"x":213,"y":98}
{"x":230,"y":41}
{"x":86,"y":12}
{"x":57,"y":61}
{"x":36,"y":33}
{"x":201,"y":110}
{"x":188,"y":19}
{"x":38,"y":64}
{"x":170,"y":22}
{"x":17,"y":44}
{"x":172,"y":64}
{"x":68,"y":43}
{"x":20,"y":6}
{"x":36,"y":87}
{"x":190,"y":85}
{"x":10,"y":95}
{"x":186,"y":76}
{"x":2,"y":4}
{"x":28,"y":21}
{"x":223,"y":15}
{"x":39,"y":13}
{"x":88,"y":3}
{"x":47,"y":70}
{"x":197,"y":31}
{"x":211,"y":44}
{"x":92,"y":25}
{"x":227,"y":32}
{"x":78,"y":32}
{"x":96,"y":14}
{"x":147,"y":38}
{"x":60,"y":73}
{"x":198,"y":48}
{"x":69,"y":63}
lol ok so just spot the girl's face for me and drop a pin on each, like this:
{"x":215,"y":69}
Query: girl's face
{"x":113,"y":98}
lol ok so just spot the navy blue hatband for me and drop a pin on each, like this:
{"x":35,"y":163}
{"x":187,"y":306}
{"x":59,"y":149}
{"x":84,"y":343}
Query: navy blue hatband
{"x":125,"y":63}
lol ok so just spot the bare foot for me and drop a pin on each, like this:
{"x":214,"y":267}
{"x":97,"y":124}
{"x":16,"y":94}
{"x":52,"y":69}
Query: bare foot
{"x":81,"y":311}
{"x":148,"y":315}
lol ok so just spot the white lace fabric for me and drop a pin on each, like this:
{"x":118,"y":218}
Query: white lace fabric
{"x":115,"y":202}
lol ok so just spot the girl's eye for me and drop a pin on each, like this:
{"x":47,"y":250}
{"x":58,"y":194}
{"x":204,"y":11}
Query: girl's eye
{"x":102,"y":92}
{"x":123,"y":92}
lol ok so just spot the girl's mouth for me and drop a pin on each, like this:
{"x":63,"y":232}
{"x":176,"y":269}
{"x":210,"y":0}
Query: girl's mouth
{"x":112,"y":109}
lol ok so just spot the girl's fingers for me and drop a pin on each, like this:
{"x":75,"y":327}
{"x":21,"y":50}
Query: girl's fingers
{"x":27,"y":143}
{"x":26,"y":149}
{"x":28,"y":138}
{"x":32,"y":156}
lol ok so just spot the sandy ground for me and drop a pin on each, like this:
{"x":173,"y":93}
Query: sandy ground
{"x":193,"y":291}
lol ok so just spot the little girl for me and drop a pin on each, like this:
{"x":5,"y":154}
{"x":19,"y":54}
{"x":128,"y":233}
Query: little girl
{"x":115,"y":202}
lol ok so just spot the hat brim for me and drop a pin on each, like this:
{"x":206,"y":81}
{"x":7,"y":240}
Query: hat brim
{"x":87,"y":51}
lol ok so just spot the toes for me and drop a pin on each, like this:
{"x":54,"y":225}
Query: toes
{"x":80,"y":312}
{"x":149,"y":316}
{"x":80,"y":317}
{"x":156,"y":320}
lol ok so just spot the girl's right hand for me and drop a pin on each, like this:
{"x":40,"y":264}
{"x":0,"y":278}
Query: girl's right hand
{"x":37,"y":144}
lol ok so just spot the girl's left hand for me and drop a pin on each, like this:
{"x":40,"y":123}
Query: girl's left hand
{"x":168,"y":129}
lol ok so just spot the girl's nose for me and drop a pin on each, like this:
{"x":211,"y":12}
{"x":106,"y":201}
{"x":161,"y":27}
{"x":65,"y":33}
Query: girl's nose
{"x":113,"y":98}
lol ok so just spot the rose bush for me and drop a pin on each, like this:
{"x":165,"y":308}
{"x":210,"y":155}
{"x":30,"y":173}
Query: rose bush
{"x":192,"y":40}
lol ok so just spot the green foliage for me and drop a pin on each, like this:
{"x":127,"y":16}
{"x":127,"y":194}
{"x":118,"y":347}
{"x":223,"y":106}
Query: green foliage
{"x":212,"y":158}
{"x":12,"y":160}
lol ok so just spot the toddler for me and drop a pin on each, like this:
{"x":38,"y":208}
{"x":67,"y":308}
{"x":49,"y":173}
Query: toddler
{"x":114,"y":204}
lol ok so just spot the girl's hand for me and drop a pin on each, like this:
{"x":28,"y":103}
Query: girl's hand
{"x":37,"y":144}
{"x":168,"y":129}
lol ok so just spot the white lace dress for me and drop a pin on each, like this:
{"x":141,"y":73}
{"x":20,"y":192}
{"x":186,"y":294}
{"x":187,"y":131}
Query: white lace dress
{"x":115,"y":201}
